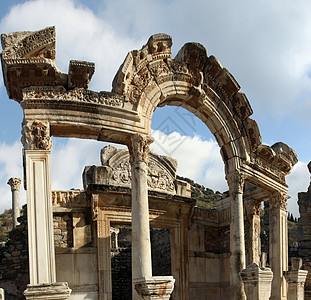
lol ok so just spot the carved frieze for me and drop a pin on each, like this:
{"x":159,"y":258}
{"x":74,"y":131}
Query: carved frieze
{"x":69,"y":199}
{"x":59,"y":93}
{"x":14,"y":183}
{"x":36,"y":135}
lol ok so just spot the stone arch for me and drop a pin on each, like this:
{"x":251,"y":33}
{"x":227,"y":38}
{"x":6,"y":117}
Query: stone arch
{"x":59,"y":104}
{"x":149,"y":78}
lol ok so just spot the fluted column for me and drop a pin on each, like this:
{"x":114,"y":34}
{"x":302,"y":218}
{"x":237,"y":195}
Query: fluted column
{"x":237,"y":243}
{"x":15,"y":184}
{"x":278,"y":244}
{"x":37,"y":148}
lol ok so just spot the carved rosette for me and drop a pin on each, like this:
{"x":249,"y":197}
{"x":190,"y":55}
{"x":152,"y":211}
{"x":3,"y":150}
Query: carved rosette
{"x":36,"y":135}
{"x":15,"y":183}
{"x":139,"y":148}
{"x":278,"y":201}
{"x":236,"y":182}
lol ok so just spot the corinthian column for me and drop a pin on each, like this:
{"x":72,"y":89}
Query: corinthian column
{"x":237,"y":243}
{"x":37,"y":147}
{"x":15,"y":184}
{"x":278,"y":247}
{"x":144,"y":285}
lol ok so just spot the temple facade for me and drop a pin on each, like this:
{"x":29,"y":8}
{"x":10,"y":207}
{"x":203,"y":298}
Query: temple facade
{"x":139,"y":189}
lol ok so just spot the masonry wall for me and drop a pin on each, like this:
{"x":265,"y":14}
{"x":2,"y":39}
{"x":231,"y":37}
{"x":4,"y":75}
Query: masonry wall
{"x":304,"y":237}
{"x":14,"y":269}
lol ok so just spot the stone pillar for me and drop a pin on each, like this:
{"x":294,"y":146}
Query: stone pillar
{"x":37,"y":147}
{"x":1,"y":294}
{"x":296,"y":279}
{"x":257,"y":282}
{"x":237,"y":244}
{"x":278,"y":244}
{"x":252,"y":224}
{"x":141,"y":246}
{"x":15,"y":184}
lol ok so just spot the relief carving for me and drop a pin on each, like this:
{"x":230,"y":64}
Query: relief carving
{"x":36,"y":135}
{"x":14,"y":183}
{"x":278,"y":200}
{"x":139,"y":148}
{"x":59,"y":93}
{"x":161,"y":169}
{"x":69,"y":199}
{"x":236,"y":182}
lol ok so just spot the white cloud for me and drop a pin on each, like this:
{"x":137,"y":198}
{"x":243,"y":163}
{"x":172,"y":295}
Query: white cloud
{"x":68,"y":159}
{"x":197,"y":159}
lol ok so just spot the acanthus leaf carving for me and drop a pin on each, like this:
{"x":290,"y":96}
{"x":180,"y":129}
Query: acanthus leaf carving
{"x":236,"y":182}
{"x":139,"y":147}
{"x":14,"y":183}
{"x":36,"y":135}
{"x":278,"y":201}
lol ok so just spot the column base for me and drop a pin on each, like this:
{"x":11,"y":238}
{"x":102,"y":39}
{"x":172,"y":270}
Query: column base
{"x":52,"y":291}
{"x":155,"y":287}
{"x":296,"y":282}
{"x":257,"y":282}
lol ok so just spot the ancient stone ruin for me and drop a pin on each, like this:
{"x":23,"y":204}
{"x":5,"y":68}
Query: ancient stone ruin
{"x":79,"y":240}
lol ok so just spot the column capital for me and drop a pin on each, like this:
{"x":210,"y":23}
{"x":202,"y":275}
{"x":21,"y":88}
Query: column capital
{"x":139,"y":147}
{"x":36,"y":135}
{"x":235,"y":181}
{"x":278,"y":200}
{"x":15,"y":183}
{"x":252,"y":207}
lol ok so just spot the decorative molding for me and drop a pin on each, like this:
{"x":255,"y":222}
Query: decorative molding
{"x":59,"y":93}
{"x":36,"y":135}
{"x":15,"y":183}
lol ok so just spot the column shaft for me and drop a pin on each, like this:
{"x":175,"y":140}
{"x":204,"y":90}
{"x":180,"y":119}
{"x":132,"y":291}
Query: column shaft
{"x":278,"y":246}
{"x":141,"y":248}
{"x":237,"y":243}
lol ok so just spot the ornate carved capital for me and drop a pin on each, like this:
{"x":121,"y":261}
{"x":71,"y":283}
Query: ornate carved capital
{"x":252,"y":207}
{"x":36,"y":135}
{"x":278,"y":200}
{"x":15,"y":183}
{"x":236,"y":182}
{"x":139,"y":147}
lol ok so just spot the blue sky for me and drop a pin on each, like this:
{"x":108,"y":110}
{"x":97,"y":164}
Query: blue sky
{"x":266,"y":45}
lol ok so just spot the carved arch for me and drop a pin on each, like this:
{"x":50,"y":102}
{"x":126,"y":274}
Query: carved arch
{"x":149,"y":78}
